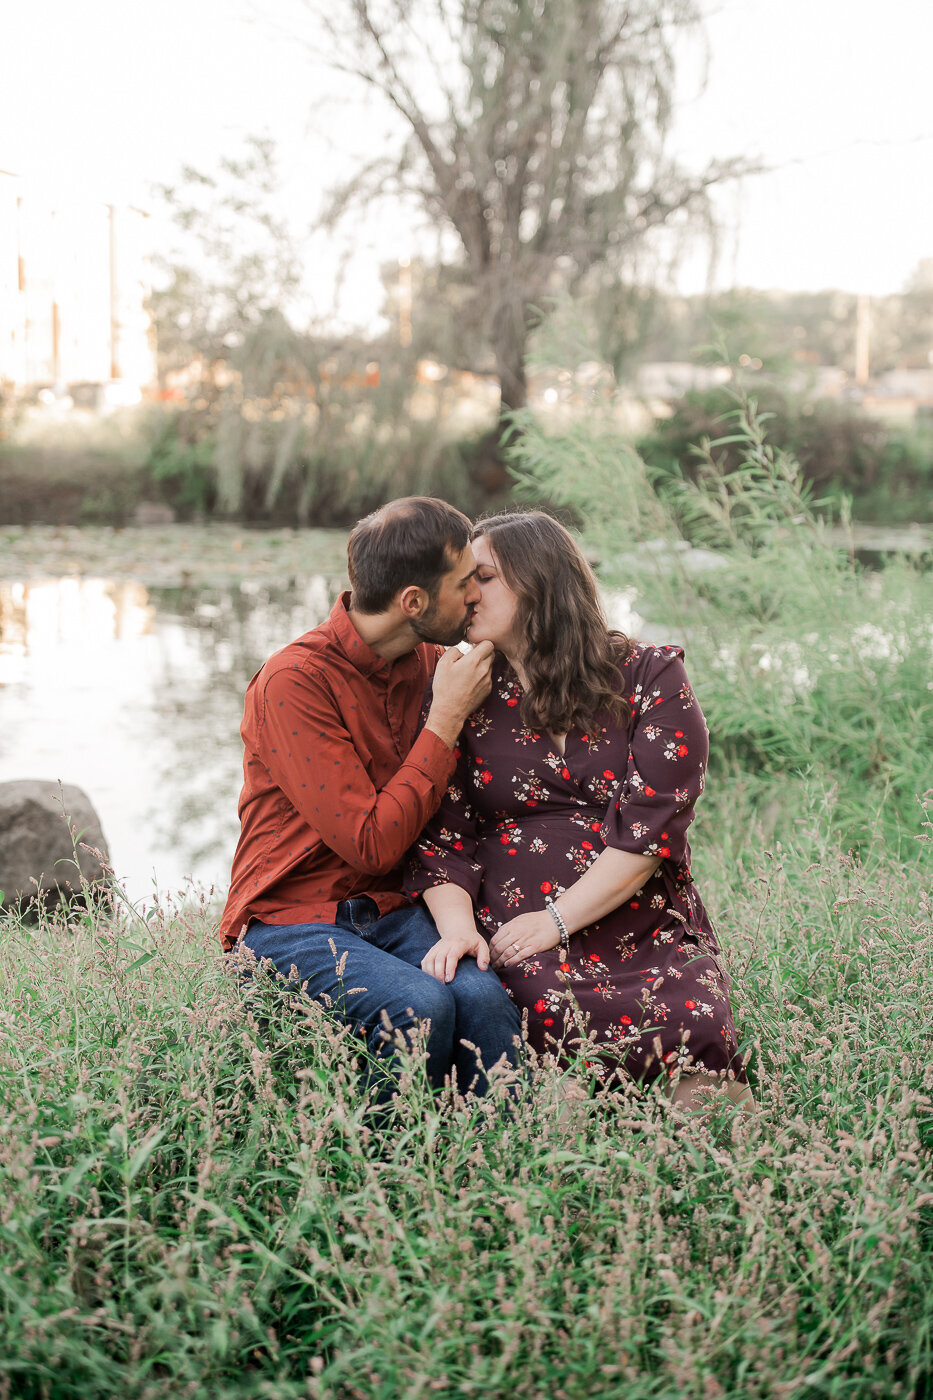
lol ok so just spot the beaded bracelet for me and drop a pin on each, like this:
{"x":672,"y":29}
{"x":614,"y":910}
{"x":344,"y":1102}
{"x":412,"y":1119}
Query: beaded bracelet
{"x":562,"y":929}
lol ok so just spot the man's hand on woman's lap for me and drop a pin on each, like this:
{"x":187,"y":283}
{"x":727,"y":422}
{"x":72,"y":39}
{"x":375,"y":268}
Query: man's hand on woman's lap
{"x":441,"y":960}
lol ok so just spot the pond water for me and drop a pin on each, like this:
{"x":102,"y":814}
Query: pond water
{"x":132,"y":687}
{"x":135,"y":694}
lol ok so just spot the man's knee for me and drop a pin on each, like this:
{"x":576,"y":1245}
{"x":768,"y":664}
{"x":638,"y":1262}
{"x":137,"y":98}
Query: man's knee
{"x":426,"y":1000}
{"x":480,"y":994}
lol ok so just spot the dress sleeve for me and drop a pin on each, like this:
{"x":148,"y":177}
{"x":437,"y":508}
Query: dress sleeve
{"x":651,"y":809}
{"x":446,"y":849}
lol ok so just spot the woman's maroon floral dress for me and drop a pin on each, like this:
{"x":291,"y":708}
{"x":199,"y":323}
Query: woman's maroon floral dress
{"x":521,"y":821}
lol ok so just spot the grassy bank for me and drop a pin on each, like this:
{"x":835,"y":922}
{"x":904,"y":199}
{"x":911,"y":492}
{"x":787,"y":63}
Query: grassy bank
{"x":140,"y":465}
{"x":71,"y":483}
{"x":885,"y":468}
{"x":195,"y":1205}
{"x":266,"y":469}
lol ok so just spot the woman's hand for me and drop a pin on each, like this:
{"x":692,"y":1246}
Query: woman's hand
{"x":441,"y":961}
{"x":522,"y":937}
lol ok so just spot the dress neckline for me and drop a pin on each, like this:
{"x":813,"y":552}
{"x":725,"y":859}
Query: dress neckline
{"x":555,"y":747}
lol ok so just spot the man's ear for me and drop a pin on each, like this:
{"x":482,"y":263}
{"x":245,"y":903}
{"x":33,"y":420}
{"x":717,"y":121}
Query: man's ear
{"x":414,"y":601}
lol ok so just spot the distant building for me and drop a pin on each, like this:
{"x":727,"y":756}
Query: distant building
{"x":671,"y":379}
{"x":816,"y":381}
{"x":914,"y":384}
{"x":73,"y":284}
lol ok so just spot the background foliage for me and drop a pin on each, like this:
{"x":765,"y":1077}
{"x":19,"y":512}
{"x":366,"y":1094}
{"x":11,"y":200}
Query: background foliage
{"x":842,"y":451}
{"x":814,"y":672}
{"x":532,"y":137}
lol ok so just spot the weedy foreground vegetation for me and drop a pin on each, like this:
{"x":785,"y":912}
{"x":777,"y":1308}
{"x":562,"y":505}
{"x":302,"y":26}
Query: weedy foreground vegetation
{"x":196,"y":1202}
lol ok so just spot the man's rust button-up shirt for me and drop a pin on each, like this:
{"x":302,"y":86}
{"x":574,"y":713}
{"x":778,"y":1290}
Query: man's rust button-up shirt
{"x":336,"y":786}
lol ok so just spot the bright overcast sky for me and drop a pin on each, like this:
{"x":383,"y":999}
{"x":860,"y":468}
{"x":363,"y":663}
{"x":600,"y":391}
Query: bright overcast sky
{"x":107,"y":97}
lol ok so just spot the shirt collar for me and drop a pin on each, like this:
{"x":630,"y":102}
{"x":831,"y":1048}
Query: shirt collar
{"x":359,"y":653}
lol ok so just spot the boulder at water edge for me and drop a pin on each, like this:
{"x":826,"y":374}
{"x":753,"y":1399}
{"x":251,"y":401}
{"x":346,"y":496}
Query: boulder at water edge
{"x":36,"y":841}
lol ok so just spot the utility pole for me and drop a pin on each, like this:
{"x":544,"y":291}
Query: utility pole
{"x":404,"y":302}
{"x":56,"y":345}
{"x":21,"y":288}
{"x":862,"y":339}
{"x":114,"y":295}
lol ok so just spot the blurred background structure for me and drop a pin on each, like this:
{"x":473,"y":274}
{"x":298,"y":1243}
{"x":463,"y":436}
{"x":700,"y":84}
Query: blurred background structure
{"x":74,"y":278}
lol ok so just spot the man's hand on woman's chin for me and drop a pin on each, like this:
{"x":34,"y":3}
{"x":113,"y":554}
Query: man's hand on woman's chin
{"x":441,"y":962}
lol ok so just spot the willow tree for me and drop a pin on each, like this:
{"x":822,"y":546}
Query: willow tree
{"x":534,"y":131}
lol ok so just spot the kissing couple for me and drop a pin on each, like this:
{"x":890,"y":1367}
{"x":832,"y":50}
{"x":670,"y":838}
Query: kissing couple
{"x":487,"y":845}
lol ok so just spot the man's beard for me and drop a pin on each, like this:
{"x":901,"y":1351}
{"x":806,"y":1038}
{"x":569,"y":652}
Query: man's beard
{"x":427,"y":629}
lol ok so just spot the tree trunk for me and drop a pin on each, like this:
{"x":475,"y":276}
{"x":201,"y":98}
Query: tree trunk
{"x":509,"y":342}
{"x":509,"y":349}
{"x":510,"y":367}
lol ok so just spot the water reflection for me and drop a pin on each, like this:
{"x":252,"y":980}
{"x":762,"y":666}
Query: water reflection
{"x":38,"y":616}
{"x":136,"y":695}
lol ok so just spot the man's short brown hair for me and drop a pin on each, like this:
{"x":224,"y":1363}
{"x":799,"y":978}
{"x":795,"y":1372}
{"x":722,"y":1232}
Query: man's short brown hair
{"x":414,"y":540}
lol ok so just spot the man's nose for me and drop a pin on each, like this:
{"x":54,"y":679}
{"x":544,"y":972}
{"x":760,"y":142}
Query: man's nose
{"x":473,"y":593}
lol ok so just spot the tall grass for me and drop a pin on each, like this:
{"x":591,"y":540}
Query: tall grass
{"x":197,"y":1202}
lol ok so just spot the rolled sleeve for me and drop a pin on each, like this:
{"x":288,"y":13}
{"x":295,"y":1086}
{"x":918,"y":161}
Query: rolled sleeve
{"x":652,"y":808}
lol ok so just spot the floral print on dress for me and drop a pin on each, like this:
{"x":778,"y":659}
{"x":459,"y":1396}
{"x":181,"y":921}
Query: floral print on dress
{"x":644,"y":983}
{"x":523,"y":737}
{"x":479,"y":723}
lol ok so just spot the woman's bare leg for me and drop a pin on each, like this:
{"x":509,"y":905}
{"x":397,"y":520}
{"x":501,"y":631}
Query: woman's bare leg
{"x":691,"y":1092}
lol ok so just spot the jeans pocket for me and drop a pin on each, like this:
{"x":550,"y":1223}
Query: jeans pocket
{"x":358,"y":914}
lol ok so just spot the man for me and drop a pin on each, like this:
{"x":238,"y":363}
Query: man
{"x":337,"y":786}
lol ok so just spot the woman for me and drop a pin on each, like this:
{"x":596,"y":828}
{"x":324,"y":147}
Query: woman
{"x":563,"y":833}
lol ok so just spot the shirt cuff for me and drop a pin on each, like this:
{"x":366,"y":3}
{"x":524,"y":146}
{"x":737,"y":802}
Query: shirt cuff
{"x":431,"y":756}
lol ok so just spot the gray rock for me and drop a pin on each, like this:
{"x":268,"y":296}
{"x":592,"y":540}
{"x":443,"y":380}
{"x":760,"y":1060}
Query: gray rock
{"x":37,"y":853}
{"x":149,"y":513}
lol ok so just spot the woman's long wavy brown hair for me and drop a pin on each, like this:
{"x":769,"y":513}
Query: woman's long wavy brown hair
{"x":571,"y":657}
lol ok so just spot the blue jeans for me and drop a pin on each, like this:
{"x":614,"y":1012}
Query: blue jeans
{"x":473,"y":1021}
